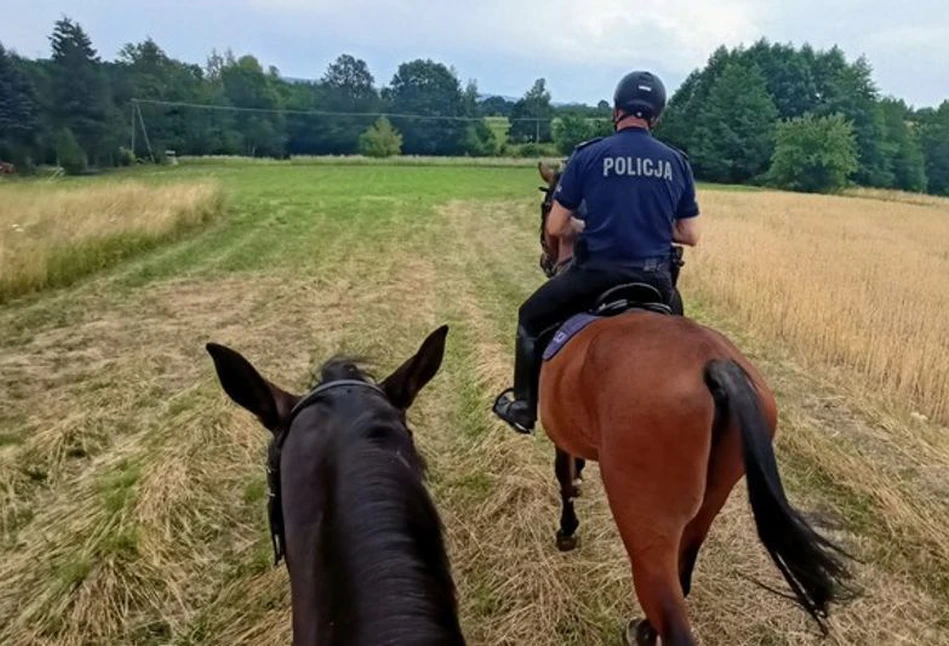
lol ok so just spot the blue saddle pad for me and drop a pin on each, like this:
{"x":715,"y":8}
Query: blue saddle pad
{"x":566,"y":332}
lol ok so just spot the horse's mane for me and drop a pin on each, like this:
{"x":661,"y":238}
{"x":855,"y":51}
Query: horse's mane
{"x":343,"y":367}
{"x":382,"y":539}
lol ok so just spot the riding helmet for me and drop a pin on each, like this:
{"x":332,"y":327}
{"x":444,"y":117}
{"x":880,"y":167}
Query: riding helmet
{"x":640,"y":94}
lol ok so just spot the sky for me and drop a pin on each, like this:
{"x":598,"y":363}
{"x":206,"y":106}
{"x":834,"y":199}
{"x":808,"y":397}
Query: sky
{"x":581,"y":47}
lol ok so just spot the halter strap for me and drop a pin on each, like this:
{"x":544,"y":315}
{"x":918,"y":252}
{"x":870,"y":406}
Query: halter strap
{"x":274,"y":501}
{"x":322,"y":389}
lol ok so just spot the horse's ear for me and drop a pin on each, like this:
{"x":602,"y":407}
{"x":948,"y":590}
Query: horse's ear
{"x":246,"y":387}
{"x":547,"y":173}
{"x":404,"y":384}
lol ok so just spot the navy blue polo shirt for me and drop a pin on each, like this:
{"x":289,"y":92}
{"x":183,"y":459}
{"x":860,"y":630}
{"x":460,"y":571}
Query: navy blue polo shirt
{"x":632,"y":187}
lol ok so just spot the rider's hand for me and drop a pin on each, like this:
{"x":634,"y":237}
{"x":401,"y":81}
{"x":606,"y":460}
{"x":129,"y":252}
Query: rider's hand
{"x":577,"y":226}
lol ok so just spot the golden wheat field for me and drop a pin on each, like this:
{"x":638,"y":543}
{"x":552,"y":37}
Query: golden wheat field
{"x":857,"y":284}
{"x":51,"y":235}
{"x":133,"y":491}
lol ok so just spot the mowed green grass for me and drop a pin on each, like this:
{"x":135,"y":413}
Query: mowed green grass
{"x":133,"y":490}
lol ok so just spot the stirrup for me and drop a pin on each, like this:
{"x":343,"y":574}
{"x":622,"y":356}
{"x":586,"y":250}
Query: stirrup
{"x":501,"y":408}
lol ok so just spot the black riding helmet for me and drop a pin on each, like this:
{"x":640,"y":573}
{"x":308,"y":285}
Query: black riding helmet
{"x":640,"y":94}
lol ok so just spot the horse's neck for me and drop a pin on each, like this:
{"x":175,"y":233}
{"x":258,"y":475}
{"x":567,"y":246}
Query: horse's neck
{"x":396,"y":580}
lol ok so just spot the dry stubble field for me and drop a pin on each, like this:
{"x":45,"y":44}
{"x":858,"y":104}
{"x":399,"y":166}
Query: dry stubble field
{"x":133,"y":491}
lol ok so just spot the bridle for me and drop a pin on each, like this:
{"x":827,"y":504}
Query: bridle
{"x":548,"y":262}
{"x":274,"y":501}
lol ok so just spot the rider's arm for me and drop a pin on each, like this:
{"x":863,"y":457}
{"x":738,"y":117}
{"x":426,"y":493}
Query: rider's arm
{"x":686,"y":231}
{"x":561,"y":223}
{"x":685,"y":228}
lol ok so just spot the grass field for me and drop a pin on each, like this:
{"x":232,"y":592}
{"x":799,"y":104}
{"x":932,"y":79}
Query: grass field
{"x":133,"y":491}
{"x":52,"y":236}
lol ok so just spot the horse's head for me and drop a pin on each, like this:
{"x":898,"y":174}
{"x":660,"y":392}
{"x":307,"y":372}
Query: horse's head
{"x":278,"y":410}
{"x":347,"y":499}
{"x":344,"y":397}
{"x":549,"y":257}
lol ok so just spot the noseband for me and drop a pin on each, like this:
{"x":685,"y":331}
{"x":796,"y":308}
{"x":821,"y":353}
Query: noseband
{"x":274,"y":501}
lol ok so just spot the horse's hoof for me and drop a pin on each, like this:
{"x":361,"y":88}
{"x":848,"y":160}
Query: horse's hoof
{"x":567,"y":543}
{"x":639,"y":632}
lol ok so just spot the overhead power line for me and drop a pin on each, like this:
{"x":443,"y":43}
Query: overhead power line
{"x":329,"y":113}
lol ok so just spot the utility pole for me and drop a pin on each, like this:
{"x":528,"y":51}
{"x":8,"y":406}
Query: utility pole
{"x":133,"y":128}
{"x":148,"y":143}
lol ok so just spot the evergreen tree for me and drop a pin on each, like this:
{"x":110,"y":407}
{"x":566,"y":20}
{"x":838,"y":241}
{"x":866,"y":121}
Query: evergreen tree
{"x":934,"y":135}
{"x":735,"y":131}
{"x":902,"y":147}
{"x":18,"y":112}
{"x":679,"y":124}
{"x":849,"y":90}
{"x":145,"y":71}
{"x":788,"y":76}
{"x":81,"y":101}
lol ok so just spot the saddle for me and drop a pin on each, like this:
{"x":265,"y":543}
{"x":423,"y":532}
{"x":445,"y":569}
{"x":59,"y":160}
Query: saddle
{"x":613,"y":302}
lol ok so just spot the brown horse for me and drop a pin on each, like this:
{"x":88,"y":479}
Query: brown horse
{"x":674,"y":414}
{"x":362,"y":538}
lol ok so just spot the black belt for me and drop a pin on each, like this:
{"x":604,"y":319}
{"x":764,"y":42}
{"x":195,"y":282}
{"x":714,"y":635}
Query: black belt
{"x":646,"y":264}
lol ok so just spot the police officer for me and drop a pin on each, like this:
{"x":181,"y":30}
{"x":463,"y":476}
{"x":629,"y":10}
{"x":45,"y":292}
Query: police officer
{"x":632,"y":197}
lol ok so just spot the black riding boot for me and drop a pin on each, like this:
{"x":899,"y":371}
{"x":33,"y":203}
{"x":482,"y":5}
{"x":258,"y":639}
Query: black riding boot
{"x":521,"y":411}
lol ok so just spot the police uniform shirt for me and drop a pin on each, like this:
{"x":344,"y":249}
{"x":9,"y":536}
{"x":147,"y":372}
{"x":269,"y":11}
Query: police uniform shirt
{"x":632,"y":187}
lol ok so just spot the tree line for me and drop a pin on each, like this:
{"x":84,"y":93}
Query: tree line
{"x":805,"y":119}
{"x":77,"y":110}
{"x":770,"y":113}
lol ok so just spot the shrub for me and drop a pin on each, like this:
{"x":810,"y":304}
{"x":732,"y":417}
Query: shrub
{"x":814,"y":154}
{"x":69,"y":154}
{"x":381,"y":139}
{"x":572,"y":129}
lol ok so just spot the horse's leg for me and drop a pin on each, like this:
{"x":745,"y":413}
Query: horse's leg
{"x":660,"y":595}
{"x":655,"y":488}
{"x":725,"y":468}
{"x":651,"y":531}
{"x":565,"y":468}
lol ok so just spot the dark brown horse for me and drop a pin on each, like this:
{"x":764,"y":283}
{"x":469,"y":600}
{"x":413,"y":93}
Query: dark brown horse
{"x":362,"y":538}
{"x":675,"y":415}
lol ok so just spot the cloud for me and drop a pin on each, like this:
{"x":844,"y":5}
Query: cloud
{"x":921,"y":38}
{"x":581,"y":47}
{"x":679,"y":32}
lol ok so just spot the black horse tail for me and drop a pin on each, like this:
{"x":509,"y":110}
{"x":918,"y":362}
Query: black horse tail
{"x":813,"y":567}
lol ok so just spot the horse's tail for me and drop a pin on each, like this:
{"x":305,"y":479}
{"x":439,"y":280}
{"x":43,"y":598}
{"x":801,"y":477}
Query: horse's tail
{"x":812,"y":565}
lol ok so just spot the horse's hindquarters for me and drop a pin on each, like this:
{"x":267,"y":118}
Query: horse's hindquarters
{"x":561,"y":410}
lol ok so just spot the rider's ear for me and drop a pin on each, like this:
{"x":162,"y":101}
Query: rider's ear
{"x":404,"y":384}
{"x":246,"y":387}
